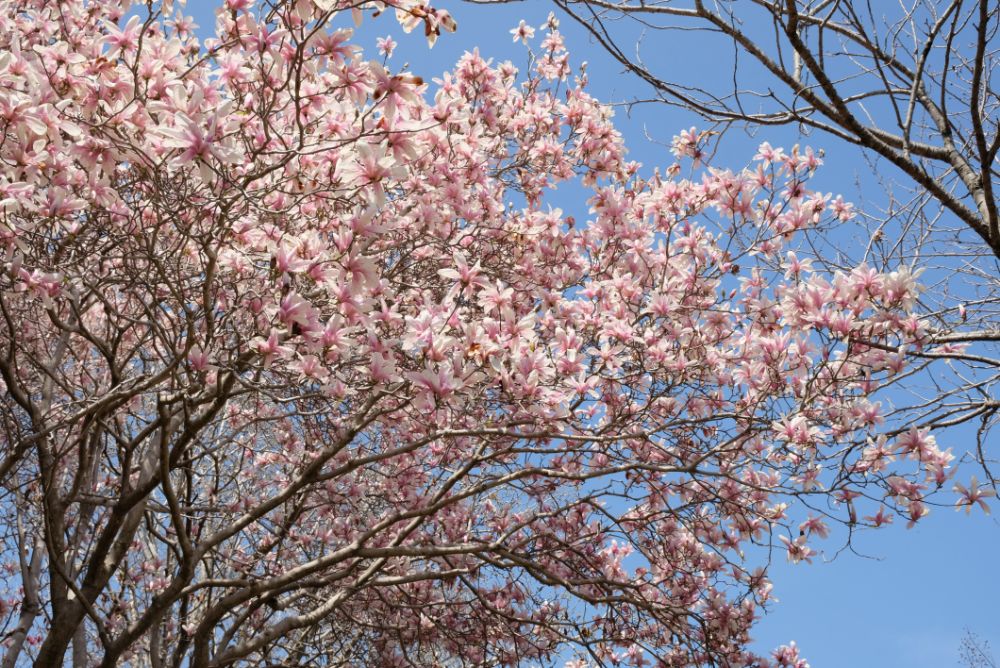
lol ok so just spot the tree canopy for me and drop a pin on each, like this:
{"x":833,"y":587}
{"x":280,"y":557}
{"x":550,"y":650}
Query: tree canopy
{"x":302,"y":364}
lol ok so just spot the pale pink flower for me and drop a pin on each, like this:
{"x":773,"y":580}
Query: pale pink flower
{"x":386,"y":45}
{"x":973,"y":494}
{"x":522,"y":32}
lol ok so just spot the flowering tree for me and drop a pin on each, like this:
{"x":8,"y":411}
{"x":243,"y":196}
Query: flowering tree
{"x":301,"y":368}
{"x":911,"y":89}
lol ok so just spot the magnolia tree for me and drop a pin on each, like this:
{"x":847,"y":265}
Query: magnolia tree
{"x":911,"y":89}
{"x":300,"y":366}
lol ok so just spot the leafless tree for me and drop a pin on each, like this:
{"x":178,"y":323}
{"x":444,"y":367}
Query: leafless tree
{"x":913,"y":82}
{"x":975,"y":652}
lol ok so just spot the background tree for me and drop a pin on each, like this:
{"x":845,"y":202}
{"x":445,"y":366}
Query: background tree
{"x":301,"y":368}
{"x":975,"y":653}
{"x":913,"y":83}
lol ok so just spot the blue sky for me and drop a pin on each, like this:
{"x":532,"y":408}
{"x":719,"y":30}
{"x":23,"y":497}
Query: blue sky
{"x":908,"y":600}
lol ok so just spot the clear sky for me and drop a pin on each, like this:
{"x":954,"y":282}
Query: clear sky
{"x":905,"y":603}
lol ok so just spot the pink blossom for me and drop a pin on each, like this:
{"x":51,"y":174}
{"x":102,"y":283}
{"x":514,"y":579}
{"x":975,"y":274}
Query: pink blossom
{"x":973,"y":494}
{"x":523,"y":32}
{"x":386,"y":45}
